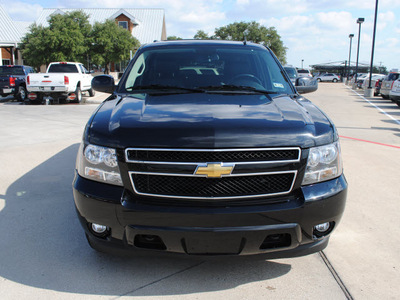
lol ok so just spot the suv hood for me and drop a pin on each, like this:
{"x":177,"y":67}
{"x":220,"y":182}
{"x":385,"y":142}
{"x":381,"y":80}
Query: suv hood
{"x":208,"y":121}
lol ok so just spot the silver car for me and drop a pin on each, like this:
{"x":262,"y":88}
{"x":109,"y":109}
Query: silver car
{"x":394,"y":93}
{"x":328,"y":77}
{"x":304,"y":73}
{"x":387,"y":84}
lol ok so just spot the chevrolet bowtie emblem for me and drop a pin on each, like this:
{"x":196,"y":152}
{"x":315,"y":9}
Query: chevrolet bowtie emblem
{"x":214,"y":170}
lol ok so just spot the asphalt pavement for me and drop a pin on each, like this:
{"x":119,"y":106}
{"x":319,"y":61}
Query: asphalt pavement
{"x":44,"y":254}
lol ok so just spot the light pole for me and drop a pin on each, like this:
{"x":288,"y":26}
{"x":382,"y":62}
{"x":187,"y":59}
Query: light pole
{"x":373,"y":46}
{"x":348,"y":73}
{"x":359,"y":22}
{"x":302,"y":63}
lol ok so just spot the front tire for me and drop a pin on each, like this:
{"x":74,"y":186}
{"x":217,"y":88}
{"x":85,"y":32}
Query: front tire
{"x":319,"y":79}
{"x":92,"y":92}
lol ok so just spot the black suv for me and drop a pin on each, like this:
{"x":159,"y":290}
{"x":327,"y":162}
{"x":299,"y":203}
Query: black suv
{"x":13,"y":81}
{"x":206,"y":148}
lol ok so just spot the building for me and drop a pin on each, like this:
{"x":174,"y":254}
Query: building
{"x":146,"y":25}
{"x":11,"y":33}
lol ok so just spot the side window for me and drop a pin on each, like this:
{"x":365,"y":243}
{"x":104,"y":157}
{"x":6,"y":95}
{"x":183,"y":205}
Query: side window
{"x":84,"y":71}
{"x":123,"y":24}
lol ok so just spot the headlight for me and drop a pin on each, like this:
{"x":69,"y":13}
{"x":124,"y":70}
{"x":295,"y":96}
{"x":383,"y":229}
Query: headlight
{"x":99,"y":164}
{"x":324,"y":163}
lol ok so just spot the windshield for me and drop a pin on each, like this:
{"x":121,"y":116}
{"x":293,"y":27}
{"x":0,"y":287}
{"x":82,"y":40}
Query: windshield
{"x":207,"y":67}
{"x":11,"y":70}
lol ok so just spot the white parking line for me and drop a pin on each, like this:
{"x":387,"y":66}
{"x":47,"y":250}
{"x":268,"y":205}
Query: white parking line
{"x":377,"y":107}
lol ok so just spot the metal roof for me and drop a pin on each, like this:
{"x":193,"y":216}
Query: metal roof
{"x":10,"y":33}
{"x":338,"y":64}
{"x":150,"y":21}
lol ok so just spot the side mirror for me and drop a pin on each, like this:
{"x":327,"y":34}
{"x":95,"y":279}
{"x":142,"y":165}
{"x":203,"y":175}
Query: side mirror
{"x":103,"y":84}
{"x":306,"y":85}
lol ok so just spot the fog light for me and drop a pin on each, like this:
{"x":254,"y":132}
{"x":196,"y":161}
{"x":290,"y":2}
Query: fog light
{"x":99,"y":228}
{"x":324,"y":227}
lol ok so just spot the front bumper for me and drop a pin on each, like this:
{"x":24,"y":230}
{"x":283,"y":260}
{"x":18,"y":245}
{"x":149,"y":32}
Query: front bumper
{"x":278,"y":229}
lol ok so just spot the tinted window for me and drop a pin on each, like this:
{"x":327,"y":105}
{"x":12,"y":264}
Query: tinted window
{"x":11,"y":70}
{"x":291,"y":72}
{"x":194,"y":66}
{"x":303,"y":71}
{"x":393,"y":76}
{"x":63,"y":68}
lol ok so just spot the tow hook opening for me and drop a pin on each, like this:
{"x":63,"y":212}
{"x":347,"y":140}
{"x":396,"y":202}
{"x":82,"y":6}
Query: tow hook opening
{"x":148,"y":241}
{"x":278,"y":240}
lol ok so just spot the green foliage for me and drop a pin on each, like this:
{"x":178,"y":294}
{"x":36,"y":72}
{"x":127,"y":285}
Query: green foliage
{"x":380,"y":70}
{"x":173,"y":38}
{"x":201,"y":35}
{"x":111,"y":43}
{"x":70,"y":37}
{"x":34,"y":46}
{"x":254,"y":32}
{"x":65,"y":39}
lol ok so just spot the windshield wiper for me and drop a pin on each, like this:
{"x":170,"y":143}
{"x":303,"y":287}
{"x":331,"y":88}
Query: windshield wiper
{"x":163,"y":88}
{"x":228,"y":88}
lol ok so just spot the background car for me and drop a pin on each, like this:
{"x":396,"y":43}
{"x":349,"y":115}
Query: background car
{"x":328,"y":77}
{"x":387,"y":84}
{"x":292,"y":72}
{"x":304,"y":73}
{"x":394,"y":93}
{"x":364,"y":82}
{"x":378,"y":87}
{"x":13,"y":81}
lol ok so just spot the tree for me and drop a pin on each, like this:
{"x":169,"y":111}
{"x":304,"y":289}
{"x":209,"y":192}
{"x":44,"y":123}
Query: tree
{"x":111,"y":43}
{"x":380,"y":70}
{"x":201,"y":35}
{"x":34,"y":46}
{"x":254,"y":32}
{"x":65,"y":39}
{"x":173,"y":38}
{"x":69,"y":39}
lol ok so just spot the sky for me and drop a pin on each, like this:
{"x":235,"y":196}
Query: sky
{"x":314,"y":31}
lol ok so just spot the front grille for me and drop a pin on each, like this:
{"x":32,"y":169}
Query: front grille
{"x":201,"y":187}
{"x":171,"y":173}
{"x":273,"y":155}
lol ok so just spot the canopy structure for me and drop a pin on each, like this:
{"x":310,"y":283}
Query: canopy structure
{"x":340,"y":67}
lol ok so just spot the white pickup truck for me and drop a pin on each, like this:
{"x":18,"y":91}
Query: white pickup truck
{"x":63,"y":81}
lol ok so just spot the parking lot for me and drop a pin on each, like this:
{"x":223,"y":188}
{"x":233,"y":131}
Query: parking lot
{"x":44,"y":254}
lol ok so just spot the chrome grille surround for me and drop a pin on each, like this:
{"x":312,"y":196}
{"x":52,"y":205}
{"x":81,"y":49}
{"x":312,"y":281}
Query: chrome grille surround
{"x":169,"y":164}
